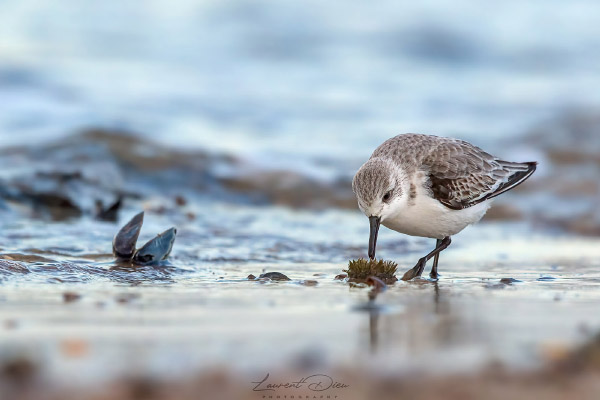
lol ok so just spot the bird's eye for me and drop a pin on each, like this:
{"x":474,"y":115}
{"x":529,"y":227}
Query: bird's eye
{"x":387,"y":196}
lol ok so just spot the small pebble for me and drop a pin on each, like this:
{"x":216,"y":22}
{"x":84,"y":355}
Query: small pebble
{"x":309,"y":283}
{"x":69,"y":297}
{"x":127,"y":297}
{"x":509,"y":281}
{"x":180,"y":201}
{"x":251,"y":277}
{"x":340,"y":277}
{"x":546,"y":278}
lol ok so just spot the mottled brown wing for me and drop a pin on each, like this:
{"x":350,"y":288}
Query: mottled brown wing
{"x":463,"y":175}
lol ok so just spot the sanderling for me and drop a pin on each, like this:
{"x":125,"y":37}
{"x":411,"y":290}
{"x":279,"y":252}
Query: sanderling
{"x":433,"y":187}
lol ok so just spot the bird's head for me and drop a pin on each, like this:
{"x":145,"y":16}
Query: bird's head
{"x":379,"y":189}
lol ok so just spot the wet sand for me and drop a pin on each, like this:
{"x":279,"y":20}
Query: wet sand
{"x":83,"y":321}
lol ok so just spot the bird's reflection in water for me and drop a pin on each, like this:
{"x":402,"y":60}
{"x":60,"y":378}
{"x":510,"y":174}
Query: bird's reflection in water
{"x":427,"y":323}
{"x":374,"y":310}
{"x":373,"y":333}
{"x":439,"y":306}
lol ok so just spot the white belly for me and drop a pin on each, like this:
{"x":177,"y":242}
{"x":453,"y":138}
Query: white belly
{"x":427,"y":217}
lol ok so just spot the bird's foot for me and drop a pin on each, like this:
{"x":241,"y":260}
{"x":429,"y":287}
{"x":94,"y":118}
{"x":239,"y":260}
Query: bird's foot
{"x":434,"y":275}
{"x":416,"y":271}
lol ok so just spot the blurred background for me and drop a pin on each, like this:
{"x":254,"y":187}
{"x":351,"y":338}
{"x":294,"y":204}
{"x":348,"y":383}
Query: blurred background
{"x":306,"y":89}
{"x":242,"y":123}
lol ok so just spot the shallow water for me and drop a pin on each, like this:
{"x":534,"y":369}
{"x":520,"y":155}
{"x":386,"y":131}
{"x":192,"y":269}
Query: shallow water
{"x":199,"y":310}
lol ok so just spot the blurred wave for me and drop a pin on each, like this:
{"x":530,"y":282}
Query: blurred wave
{"x":291,"y":82}
{"x":279,"y":103}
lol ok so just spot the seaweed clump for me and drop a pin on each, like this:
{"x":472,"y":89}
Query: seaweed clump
{"x":360,"y":270}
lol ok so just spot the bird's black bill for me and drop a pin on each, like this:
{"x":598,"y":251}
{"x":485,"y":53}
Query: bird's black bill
{"x":374,"y":222}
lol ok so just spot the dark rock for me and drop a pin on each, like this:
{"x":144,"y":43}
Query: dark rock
{"x":274,"y":276}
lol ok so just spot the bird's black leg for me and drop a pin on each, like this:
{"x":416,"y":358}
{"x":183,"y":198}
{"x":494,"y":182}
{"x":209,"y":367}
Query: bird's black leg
{"x":434,"y":274}
{"x":418,"y":269}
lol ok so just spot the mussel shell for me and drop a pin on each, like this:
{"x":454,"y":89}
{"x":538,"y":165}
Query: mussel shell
{"x":126,"y":239}
{"x":157,"y":249}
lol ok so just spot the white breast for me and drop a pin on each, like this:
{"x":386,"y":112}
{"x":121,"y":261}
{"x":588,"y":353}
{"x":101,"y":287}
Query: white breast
{"x":425,"y":216}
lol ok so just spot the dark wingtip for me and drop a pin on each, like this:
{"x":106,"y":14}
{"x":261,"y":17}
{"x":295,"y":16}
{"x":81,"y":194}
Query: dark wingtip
{"x":532,"y":167}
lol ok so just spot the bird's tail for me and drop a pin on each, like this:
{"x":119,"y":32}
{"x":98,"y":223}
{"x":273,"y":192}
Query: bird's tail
{"x":518,"y":173}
